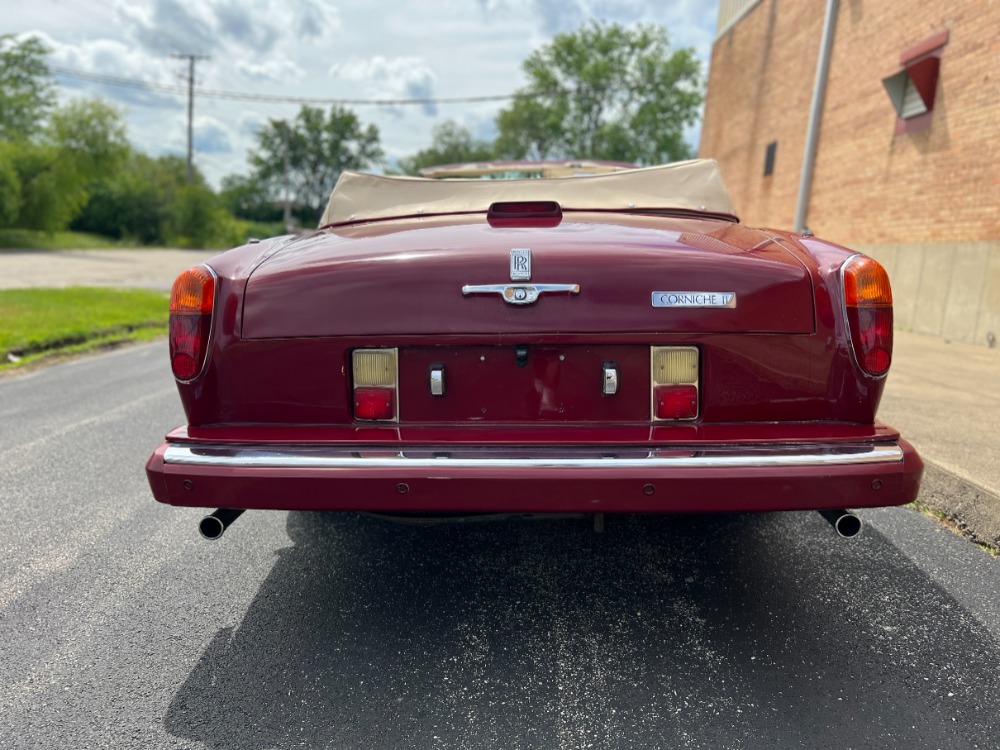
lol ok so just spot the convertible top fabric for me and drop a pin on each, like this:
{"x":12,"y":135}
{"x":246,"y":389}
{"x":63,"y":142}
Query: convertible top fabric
{"x":694,"y":185}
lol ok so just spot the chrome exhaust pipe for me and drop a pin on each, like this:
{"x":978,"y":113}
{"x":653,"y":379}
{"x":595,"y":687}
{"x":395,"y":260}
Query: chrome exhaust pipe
{"x":215,"y":525}
{"x":846,"y":523}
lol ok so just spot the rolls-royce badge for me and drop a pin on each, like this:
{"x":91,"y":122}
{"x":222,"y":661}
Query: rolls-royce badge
{"x":520,"y":264}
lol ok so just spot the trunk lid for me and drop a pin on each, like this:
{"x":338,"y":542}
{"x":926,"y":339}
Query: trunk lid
{"x":406,"y":278}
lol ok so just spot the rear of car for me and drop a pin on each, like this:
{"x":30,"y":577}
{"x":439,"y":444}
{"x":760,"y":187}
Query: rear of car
{"x":544,"y":348}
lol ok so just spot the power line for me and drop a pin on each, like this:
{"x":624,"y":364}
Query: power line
{"x":274,"y":98}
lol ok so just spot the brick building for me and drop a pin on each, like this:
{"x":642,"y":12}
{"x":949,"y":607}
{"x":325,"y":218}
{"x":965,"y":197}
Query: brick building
{"x":907,"y":162}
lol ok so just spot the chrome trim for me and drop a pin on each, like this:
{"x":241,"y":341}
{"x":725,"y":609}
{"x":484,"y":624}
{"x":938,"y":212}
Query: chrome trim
{"x":610,"y":381}
{"x":437,"y":381}
{"x":584,"y":459}
{"x":519,"y":294}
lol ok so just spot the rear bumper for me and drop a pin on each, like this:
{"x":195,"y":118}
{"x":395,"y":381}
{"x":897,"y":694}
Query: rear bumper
{"x":605,"y":479}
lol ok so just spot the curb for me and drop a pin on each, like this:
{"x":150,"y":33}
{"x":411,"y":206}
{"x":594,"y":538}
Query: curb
{"x":974,"y":510}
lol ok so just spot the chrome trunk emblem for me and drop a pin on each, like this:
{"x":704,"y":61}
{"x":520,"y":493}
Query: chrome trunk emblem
{"x":694,"y":299}
{"x":519,"y":294}
{"x":520,"y":264}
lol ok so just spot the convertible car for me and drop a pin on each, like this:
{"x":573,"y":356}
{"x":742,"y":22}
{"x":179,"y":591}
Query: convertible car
{"x":613,"y":343}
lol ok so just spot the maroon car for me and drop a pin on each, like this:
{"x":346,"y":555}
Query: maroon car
{"x":616,"y":343}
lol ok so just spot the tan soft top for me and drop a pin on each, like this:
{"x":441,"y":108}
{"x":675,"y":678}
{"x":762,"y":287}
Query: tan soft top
{"x":695,"y":185}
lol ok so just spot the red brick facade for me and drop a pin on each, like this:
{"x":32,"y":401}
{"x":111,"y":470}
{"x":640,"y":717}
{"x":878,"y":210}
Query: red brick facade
{"x":871,"y":186}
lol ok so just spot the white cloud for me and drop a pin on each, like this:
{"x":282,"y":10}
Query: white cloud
{"x":275,"y":69}
{"x":351,"y":49}
{"x":390,"y":78}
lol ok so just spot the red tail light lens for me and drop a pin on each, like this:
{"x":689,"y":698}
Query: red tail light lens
{"x":192,"y":302}
{"x":676,"y":401}
{"x":374,"y":403}
{"x":868,"y":298}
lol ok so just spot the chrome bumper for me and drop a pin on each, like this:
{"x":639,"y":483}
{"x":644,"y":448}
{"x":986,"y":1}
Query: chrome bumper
{"x":583,"y":459}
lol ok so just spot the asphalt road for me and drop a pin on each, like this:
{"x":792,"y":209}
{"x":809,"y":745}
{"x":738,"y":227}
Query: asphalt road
{"x":121,"y":628}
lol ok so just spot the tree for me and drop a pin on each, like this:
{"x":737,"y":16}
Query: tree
{"x":26,"y":92}
{"x":310,"y":152}
{"x":83,"y":141}
{"x":604,"y":92}
{"x":248,"y":198}
{"x":137,"y":202}
{"x":10,"y":185}
{"x":450,"y":144}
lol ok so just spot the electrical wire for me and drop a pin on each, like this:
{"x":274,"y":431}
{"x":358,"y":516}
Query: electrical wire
{"x":134,"y":83}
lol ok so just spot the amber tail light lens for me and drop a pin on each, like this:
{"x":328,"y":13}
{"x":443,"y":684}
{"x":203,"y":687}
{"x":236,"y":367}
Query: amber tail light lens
{"x":868,"y":299}
{"x":375,"y":375}
{"x":192,"y":302}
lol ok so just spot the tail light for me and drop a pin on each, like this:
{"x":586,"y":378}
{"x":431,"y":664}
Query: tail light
{"x":675,"y":382}
{"x":192,"y":301}
{"x":375,"y":376}
{"x":868,"y":300}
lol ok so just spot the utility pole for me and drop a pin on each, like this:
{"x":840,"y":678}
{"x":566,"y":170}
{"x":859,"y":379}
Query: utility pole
{"x":191,"y":61}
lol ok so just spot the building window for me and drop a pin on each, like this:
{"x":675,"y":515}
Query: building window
{"x":912,"y":90}
{"x":769,"y":154}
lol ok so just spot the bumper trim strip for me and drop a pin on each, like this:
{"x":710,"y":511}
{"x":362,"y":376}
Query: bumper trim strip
{"x":583,"y":459}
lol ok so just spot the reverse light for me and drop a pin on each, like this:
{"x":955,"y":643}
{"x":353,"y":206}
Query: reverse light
{"x":192,"y":302}
{"x":868,"y":301}
{"x":375,"y":376}
{"x":674,"y":371}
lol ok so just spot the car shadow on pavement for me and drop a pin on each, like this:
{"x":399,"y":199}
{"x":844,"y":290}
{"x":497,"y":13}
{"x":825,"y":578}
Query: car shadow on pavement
{"x":721,"y":631}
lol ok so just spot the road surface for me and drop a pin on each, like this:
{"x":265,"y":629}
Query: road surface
{"x":122,"y":628}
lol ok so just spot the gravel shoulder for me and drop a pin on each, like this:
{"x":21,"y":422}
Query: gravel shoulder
{"x":148,"y":269}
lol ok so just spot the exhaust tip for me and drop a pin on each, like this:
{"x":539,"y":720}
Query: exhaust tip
{"x":211,"y":527}
{"x":845,"y":523}
{"x":215,"y":525}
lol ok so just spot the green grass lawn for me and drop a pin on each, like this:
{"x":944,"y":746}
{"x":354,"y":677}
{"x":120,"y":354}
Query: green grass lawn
{"x":29,"y":239}
{"x":39,"y":322}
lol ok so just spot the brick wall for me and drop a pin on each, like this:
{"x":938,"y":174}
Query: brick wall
{"x":926,"y":203}
{"x":870,"y":186}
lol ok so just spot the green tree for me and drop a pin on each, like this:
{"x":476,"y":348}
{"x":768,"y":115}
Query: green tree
{"x":604,"y":92}
{"x":135,"y":203}
{"x":10,"y":185}
{"x":82,"y":142}
{"x":451,"y":143}
{"x":248,"y":198}
{"x":26,"y":91}
{"x":310,"y":152}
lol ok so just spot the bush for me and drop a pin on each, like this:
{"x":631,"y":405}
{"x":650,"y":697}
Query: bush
{"x":10,"y":186}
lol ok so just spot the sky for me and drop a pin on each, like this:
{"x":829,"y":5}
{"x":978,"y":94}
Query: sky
{"x":337,"y":49}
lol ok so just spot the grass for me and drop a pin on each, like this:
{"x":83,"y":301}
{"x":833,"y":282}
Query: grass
{"x":952,"y":525}
{"x":37,"y":323}
{"x":29,"y":239}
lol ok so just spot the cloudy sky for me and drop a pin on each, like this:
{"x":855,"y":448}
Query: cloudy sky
{"x":338,"y":49}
